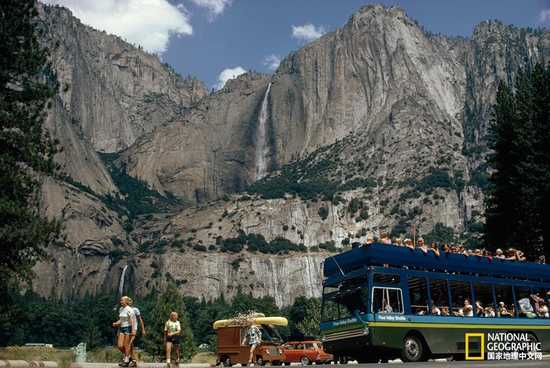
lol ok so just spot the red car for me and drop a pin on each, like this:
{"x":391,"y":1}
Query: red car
{"x":306,"y":352}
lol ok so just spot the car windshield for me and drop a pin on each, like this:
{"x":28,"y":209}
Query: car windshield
{"x":269,"y":333}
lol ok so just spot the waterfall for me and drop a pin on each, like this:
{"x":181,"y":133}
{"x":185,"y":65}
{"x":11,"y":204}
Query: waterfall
{"x":262,"y":148}
{"x":121,"y":285}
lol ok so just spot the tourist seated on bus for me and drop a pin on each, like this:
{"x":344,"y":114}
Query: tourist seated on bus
{"x":539,"y":302}
{"x":489,"y":311}
{"x":446,"y":248}
{"x":408,"y":243}
{"x":480,"y":311}
{"x":386,"y":308}
{"x":543,"y":311}
{"x":435,"y":311}
{"x":466,"y":311}
{"x":398,"y":242}
{"x":525,"y":308}
{"x":445,"y":311}
{"x":503,"y":311}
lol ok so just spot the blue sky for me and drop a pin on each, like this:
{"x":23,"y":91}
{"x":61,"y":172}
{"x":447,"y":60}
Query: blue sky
{"x":214,"y":40}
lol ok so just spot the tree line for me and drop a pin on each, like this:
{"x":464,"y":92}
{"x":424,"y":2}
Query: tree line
{"x":32,"y":318}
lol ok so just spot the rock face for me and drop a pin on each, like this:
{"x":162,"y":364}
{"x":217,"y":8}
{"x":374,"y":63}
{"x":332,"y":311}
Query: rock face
{"x":378,"y":99}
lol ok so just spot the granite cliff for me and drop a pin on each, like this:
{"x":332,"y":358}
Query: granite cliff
{"x":393,"y":116}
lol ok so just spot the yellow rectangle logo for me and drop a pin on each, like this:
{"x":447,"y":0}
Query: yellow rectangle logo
{"x":481,"y":336}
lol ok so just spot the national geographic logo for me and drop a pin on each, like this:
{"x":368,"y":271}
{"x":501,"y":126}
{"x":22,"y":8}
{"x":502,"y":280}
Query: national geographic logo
{"x":502,"y":346}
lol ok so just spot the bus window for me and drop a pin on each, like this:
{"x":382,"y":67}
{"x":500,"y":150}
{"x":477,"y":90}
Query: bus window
{"x":484,"y":301}
{"x":439,"y":295}
{"x":460,"y":291}
{"x":524,"y":303}
{"x":344,"y":303}
{"x":386,"y":300}
{"x":505,"y":299}
{"x":418,"y":295}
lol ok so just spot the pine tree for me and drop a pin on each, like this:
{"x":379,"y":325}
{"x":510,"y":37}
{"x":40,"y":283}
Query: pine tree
{"x":518,"y":197}
{"x":170,"y":301}
{"x":26,"y":151}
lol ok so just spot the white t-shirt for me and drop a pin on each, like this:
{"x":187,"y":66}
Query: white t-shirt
{"x":136,"y":315}
{"x":172,"y":327}
{"x":124,"y":315}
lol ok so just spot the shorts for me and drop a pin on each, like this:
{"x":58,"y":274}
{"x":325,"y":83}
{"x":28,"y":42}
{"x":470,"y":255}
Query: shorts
{"x":175,"y":340}
{"x":126,"y":330}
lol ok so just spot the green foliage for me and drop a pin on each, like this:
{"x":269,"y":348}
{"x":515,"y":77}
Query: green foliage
{"x":136,"y":198}
{"x":27,"y":83}
{"x":170,"y":301}
{"x":257,"y":243}
{"x":518,"y":195}
{"x":323,"y":213}
{"x":329,"y":245}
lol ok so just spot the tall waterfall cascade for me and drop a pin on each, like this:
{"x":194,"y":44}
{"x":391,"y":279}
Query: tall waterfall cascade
{"x":262,"y":148}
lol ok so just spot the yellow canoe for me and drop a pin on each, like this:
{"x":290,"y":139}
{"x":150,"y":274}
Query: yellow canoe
{"x":277,"y":321}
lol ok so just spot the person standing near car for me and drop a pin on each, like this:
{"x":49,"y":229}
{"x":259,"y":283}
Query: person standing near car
{"x":254,"y":337}
{"x":172,"y":330}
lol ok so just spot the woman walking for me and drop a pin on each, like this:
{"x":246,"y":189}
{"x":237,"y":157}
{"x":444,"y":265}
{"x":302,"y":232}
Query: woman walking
{"x":172,"y":330}
{"x":126,"y":330}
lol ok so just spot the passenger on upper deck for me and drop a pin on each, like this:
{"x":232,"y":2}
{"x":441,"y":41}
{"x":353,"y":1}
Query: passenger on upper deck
{"x":434,"y":248}
{"x":368,"y":242}
{"x":520,"y":256}
{"x":398,"y":242}
{"x":511,"y":254}
{"x":423,"y":247}
{"x":408,"y":243}
{"x":384,"y":238}
{"x":446,"y":248}
{"x":499,"y":254}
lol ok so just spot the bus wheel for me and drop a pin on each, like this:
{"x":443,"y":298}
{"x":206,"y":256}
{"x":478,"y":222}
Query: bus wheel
{"x":343,"y":360}
{"x":412,"y":349}
{"x":226,"y":361}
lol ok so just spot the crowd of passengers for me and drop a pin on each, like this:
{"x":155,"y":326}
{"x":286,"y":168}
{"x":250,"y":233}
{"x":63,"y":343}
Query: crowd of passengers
{"x":512,"y":254}
{"x":467,"y":310}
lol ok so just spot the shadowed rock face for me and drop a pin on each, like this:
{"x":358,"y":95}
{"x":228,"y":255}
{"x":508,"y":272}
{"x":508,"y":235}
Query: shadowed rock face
{"x":378,"y":99}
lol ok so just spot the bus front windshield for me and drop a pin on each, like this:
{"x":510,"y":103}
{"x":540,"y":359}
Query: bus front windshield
{"x":347,"y":301}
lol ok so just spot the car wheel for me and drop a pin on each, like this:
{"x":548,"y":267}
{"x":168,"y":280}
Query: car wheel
{"x":226,"y":362}
{"x":305,"y":360}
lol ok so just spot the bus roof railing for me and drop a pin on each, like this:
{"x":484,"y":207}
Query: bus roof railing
{"x":338,"y":266}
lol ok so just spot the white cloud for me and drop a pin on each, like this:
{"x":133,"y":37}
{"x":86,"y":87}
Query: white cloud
{"x":214,"y":7}
{"x":308,"y":32}
{"x":148,"y":23}
{"x":226,"y":75}
{"x":272,"y":61}
{"x":544,"y":16}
